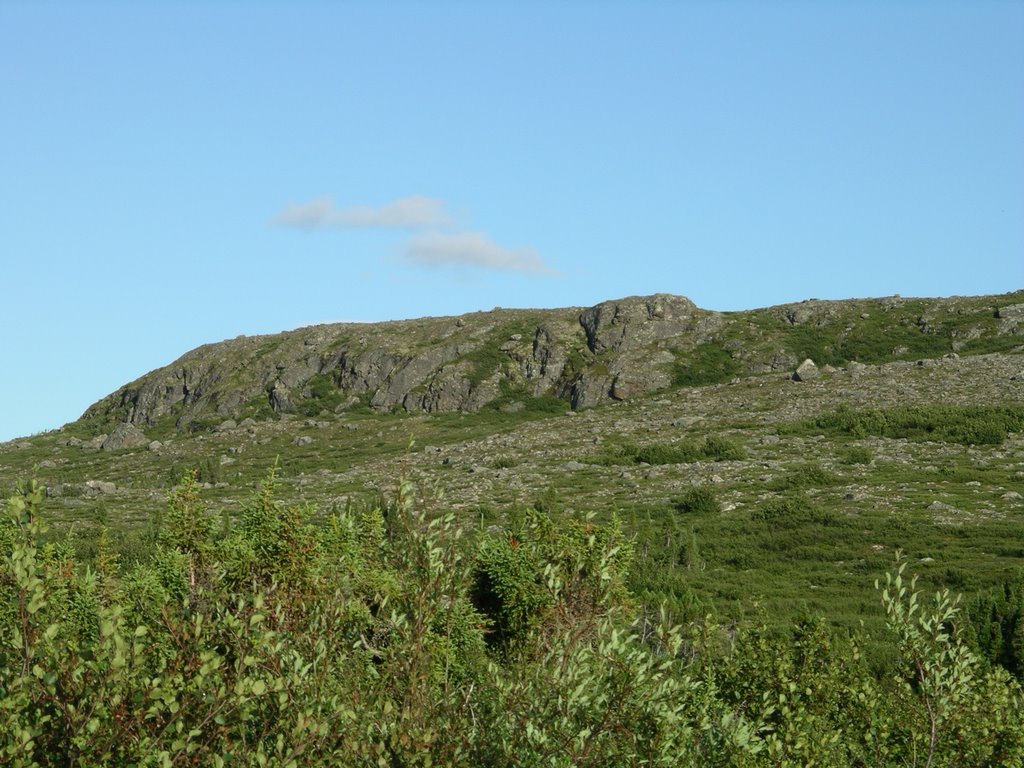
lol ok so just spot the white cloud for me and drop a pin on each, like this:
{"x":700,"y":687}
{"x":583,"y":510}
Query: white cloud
{"x":406,"y":213}
{"x":472,"y":249}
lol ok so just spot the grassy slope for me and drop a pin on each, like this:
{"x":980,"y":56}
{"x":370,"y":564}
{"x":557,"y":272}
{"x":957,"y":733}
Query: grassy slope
{"x":805,"y":520}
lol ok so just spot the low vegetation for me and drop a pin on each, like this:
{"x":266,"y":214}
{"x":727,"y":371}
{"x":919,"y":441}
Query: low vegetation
{"x":712,"y":448}
{"x":389,"y":636}
{"x":977,"y":425}
{"x":685,"y":577}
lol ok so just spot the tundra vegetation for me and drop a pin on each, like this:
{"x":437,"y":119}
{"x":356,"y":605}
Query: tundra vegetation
{"x":468,"y":566}
{"x":387,"y":636}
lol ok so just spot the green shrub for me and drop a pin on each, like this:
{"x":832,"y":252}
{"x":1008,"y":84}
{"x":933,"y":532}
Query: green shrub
{"x":791,"y":510}
{"x":856,"y":454}
{"x":969,"y":425}
{"x":387,"y":637}
{"x":706,"y":364}
{"x":721,"y":449}
{"x":713,"y":448}
{"x":808,"y":475}
{"x":697,"y":500}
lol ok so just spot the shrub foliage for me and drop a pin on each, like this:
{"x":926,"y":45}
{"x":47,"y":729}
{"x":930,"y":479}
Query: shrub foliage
{"x":389,"y":637}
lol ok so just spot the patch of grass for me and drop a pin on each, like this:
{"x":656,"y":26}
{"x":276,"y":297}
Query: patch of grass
{"x":324,"y":396}
{"x":259,"y":409}
{"x":202,"y":424}
{"x":856,"y":454}
{"x":706,"y":364}
{"x":488,"y":357}
{"x":697,"y":500}
{"x":791,"y":510}
{"x":722,"y":449}
{"x":516,"y":398}
{"x":712,"y":448}
{"x":969,"y":425}
{"x":809,"y":475}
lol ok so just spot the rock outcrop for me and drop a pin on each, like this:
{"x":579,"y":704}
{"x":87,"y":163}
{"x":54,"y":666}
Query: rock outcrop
{"x":125,"y":436}
{"x":615,"y":350}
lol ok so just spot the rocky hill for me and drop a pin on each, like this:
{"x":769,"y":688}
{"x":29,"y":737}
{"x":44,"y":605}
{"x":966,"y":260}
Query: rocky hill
{"x":747,"y":476}
{"x":505,"y":358}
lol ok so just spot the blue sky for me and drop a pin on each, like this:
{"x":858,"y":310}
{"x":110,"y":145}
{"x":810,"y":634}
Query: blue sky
{"x":173,"y":174}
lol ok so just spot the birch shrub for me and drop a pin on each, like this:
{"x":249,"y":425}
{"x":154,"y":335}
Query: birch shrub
{"x":391,"y":638}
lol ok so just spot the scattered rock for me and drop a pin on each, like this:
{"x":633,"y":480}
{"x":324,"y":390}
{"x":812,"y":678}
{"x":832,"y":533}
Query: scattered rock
{"x":1011,"y":496}
{"x":349,"y":402}
{"x":302,"y":440}
{"x":100,"y":486}
{"x":1012,"y":312}
{"x":226,"y":425}
{"x":572,"y":466}
{"x":156,"y":445}
{"x":124,"y":436}
{"x":806,"y":371}
{"x":687,"y":421}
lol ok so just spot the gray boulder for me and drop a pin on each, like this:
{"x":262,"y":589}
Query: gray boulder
{"x":95,"y":443}
{"x":806,"y":371}
{"x":125,"y":436}
{"x":95,"y":487}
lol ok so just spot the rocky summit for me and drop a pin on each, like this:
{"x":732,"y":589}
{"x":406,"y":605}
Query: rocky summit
{"x":775,"y":457}
{"x":614,"y":351}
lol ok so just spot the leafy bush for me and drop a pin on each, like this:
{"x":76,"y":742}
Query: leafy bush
{"x":791,"y":510}
{"x":713,"y":447}
{"x":721,"y":449}
{"x":706,"y":364}
{"x":699,"y":500}
{"x":978,"y":425}
{"x":323,"y":395}
{"x":856,"y":454}
{"x":387,"y":637}
{"x":808,"y":475}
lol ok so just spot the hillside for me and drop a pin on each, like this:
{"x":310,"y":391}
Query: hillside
{"x":602,"y":410}
{"x":489,"y":523}
{"x":613,"y":351}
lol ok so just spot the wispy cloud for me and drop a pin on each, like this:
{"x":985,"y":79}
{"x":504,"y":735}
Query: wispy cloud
{"x":415,"y":212}
{"x":433,"y":246}
{"x":472,"y":249}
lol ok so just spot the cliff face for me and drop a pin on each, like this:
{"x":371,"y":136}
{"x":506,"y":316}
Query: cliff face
{"x":585,"y":356}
